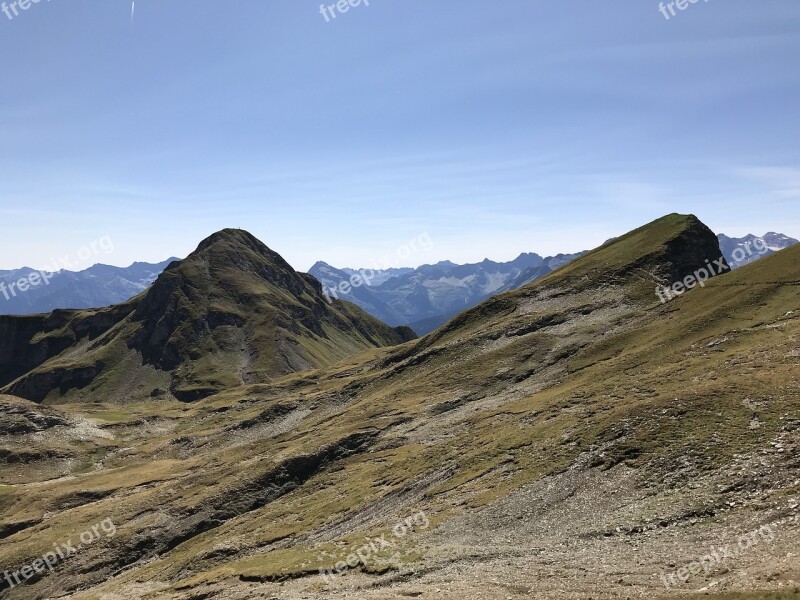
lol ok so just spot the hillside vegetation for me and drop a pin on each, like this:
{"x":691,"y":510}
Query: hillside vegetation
{"x":575,"y":438}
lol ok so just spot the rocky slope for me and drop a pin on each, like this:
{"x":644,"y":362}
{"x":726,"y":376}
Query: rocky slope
{"x":572,"y":439}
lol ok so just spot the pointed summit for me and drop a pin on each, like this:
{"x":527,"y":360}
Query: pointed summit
{"x":241,"y":247}
{"x":665,"y":251}
{"x":233,"y":312}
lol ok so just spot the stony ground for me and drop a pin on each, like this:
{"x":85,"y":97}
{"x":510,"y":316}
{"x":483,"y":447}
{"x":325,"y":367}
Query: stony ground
{"x":583,"y":534}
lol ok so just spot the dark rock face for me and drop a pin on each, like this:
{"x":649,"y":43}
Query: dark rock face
{"x":18,"y":352}
{"x":9,"y":529}
{"x":37,"y":385}
{"x":406,"y":333}
{"x":161,"y":313}
{"x":697,"y":247}
{"x":28,"y":341}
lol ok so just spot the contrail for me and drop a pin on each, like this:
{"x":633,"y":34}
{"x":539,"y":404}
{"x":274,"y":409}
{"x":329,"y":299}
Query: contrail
{"x":133,"y":9}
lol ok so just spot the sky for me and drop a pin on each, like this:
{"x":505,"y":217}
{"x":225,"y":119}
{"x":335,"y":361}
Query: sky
{"x":492,"y":128}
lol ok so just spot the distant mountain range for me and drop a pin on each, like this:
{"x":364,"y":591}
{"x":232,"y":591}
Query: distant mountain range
{"x":743,"y":251}
{"x":424,"y":298}
{"x":427,"y":297}
{"x":100,"y":285}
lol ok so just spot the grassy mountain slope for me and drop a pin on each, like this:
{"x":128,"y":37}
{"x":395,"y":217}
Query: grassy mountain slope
{"x":572,"y":439}
{"x":232,"y":313}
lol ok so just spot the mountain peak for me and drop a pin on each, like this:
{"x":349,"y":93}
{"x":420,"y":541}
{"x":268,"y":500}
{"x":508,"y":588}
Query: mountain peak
{"x":228,"y":239}
{"x":668,"y":248}
{"x":750,"y":248}
{"x":229,"y":251}
{"x":233,"y":312}
{"x":659,"y":253}
{"x":321,"y":264}
{"x":229,"y":235}
{"x":524,"y":255}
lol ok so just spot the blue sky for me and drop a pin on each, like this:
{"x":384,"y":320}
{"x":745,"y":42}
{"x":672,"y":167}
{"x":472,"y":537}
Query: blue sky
{"x":494,"y":127}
